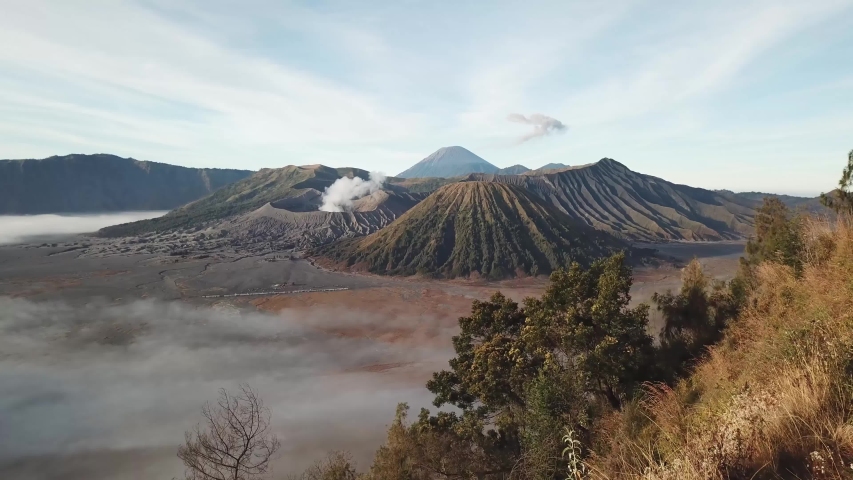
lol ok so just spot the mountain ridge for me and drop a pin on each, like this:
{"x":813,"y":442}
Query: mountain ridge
{"x":611,"y":197}
{"x":297,"y":187}
{"x":516,"y":169}
{"x":78,"y":183}
{"x":550,"y":166}
{"x":474,"y":228}
{"x":605,"y":195}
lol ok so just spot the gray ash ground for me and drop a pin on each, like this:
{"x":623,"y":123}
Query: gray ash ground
{"x":123,"y":269}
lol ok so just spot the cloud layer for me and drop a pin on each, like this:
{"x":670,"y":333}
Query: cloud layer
{"x":22,"y":228}
{"x":103,"y":389}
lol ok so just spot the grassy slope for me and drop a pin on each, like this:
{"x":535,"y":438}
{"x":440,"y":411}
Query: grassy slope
{"x":491,"y":229}
{"x":261,"y":188}
{"x":264,"y":186}
{"x":775,"y":399}
{"x":422,"y":185}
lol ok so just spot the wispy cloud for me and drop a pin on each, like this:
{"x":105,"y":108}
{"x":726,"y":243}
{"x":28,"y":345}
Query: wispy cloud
{"x":542,"y":125}
{"x":203,"y":83}
{"x":245,"y":99}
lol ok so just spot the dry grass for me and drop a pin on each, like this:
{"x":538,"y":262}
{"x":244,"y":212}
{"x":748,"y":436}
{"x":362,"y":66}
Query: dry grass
{"x":774,"y":400}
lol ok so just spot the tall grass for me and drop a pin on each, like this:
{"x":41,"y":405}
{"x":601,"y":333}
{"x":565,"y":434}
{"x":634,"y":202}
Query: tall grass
{"x":773,"y":400}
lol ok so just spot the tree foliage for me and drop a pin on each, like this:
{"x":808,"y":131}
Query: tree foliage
{"x":336,"y":466}
{"x":583,"y":323}
{"x":778,"y":236}
{"x":442,"y":446}
{"x":521,"y":374}
{"x":694,"y":317}
{"x":841,"y":199}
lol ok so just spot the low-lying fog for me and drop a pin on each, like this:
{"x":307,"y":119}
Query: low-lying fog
{"x":107,"y":391}
{"x":23,"y":228}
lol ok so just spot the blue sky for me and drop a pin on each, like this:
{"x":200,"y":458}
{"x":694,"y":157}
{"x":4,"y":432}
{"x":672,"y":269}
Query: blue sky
{"x":745,"y":95}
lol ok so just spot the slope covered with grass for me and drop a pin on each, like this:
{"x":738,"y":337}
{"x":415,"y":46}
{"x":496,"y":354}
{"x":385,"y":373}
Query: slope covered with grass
{"x":266,"y":186}
{"x":489,"y":229}
{"x":774,"y":399}
{"x":248,"y":194}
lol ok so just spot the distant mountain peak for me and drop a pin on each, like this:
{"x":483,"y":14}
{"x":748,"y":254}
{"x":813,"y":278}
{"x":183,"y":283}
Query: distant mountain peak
{"x":550,"y":166}
{"x":612,"y":163}
{"x":452,"y":148}
{"x":451,"y":161}
{"x":514,"y":170}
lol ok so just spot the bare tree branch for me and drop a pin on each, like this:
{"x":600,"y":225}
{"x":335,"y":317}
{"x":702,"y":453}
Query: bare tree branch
{"x":235,"y":443}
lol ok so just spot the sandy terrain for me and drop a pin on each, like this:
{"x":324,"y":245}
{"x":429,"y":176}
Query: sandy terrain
{"x":105,"y":361}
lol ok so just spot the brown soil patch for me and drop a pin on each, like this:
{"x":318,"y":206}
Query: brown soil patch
{"x":391,"y":301}
{"x":411,"y":313}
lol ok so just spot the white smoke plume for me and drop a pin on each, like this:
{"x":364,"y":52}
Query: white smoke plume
{"x":542,"y":125}
{"x":338,"y":196}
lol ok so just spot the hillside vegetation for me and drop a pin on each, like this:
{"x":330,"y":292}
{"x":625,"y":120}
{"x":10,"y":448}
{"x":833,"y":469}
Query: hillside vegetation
{"x":248,"y":194}
{"x":474,"y":228}
{"x":610,"y":197}
{"x":266,"y":186}
{"x":103,"y":183}
{"x":774,"y":399}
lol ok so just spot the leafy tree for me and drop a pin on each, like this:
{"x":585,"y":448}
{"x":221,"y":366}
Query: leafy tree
{"x":398,"y":457}
{"x":778,"y":236}
{"x":694,"y":318}
{"x":492,"y":365}
{"x":841,"y":199}
{"x":584,"y":323}
{"x":555,"y":399}
{"x":446,"y":445}
{"x":522,"y":374}
{"x":487,"y":381}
